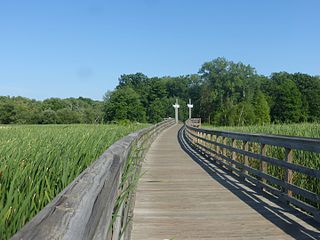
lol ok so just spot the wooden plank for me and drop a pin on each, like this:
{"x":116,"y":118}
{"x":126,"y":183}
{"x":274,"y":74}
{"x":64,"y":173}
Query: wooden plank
{"x":287,"y":185}
{"x":264,"y":176}
{"x":276,"y":192}
{"x":178,"y":199}
{"x":261,"y":185}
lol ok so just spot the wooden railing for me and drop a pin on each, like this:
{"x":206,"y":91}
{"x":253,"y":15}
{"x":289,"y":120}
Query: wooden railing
{"x":98,"y":204}
{"x":194,"y":122}
{"x":247,"y":156}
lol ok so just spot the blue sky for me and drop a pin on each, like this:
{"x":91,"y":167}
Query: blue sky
{"x":71,"y":48}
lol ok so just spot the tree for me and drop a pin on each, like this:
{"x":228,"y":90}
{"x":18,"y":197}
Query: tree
{"x":243,"y":114}
{"x":157,"y":110}
{"x":178,"y":86}
{"x":67,"y":116}
{"x":92,"y":115}
{"x":225,"y":82}
{"x":261,"y":109}
{"x":223,"y":92}
{"x":7,"y":114}
{"x":287,"y":102}
{"x":310,"y":90}
{"x":235,"y":114}
{"x":124,"y":104}
{"x":157,"y":90}
{"x":194,"y":93}
{"x":48,"y":117}
{"x":18,"y":110}
{"x":54,"y":104}
{"x":132,"y":80}
{"x":139,"y":82}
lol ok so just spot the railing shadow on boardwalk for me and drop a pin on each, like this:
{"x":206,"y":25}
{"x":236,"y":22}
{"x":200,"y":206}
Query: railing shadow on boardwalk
{"x":274,"y":213}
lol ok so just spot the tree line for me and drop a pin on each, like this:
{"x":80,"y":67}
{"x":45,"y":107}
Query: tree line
{"x":223,"y":93}
{"x":21,"y":110}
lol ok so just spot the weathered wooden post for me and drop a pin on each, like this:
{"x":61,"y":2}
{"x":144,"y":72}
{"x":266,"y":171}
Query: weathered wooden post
{"x":245,"y":146}
{"x":263,"y":164}
{"x":176,"y":108}
{"x":234,"y":154}
{"x":190,"y":106}
{"x":289,"y":174}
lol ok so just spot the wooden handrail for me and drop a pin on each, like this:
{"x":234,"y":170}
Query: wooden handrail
{"x":298,"y":143}
{"x":195,"y":122}
{"x":90,"y":207}
{"x":206,"y":141}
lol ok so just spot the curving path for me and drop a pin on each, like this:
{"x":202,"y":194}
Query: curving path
{"x":183,"y":196}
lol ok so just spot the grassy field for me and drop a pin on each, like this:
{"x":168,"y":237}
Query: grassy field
{"x":37,"y":162}
{"x":304,"y":158}
{"x":299,"y":129}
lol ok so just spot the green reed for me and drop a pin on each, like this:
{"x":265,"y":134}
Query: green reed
{"x":37,"y":162}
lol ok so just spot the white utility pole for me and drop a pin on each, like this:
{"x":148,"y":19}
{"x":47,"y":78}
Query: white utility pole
{"x":176,"y":108}
{"x":190,"y":106}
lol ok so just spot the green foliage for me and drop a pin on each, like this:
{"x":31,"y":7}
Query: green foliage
{"x":132,"y":80}
{"x":287,"y":102}
{"x":7,"y":114}
{"x":261,"y":109}
{"x":156,"y":95}
{"x":139,"y":82}
{"x":244,"y":114}
{"x":310,"y":90}
{"x":37,"y":162}
{"x":223,"y":93}
{"x":68,"y":116}
{"x":124,"y":103}
{"x":48,"y":116}
{"x":227,"y":90}
{"x":236,"y":115}
{"x":54,"y":104}
{"x":228,"y":80}
{"x":19,"y":110}
{"x":157,"y":110}
{"x":228,"y":93}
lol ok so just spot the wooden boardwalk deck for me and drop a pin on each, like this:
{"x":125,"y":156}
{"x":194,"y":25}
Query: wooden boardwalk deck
{"x":183,"y":196}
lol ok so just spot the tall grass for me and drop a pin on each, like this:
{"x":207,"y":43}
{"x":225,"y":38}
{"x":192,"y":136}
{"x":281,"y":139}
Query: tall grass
{"x":297,"y":129}
{"x":308,"y":159}
{"x":37,"y":162}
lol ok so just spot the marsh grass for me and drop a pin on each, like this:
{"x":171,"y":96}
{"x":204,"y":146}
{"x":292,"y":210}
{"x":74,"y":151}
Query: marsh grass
{"x":37,"y":162}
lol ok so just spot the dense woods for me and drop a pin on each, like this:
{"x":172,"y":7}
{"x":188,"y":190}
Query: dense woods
{"x":223,"y":93}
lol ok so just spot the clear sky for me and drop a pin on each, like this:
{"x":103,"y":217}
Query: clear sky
{"x":71,"y":48}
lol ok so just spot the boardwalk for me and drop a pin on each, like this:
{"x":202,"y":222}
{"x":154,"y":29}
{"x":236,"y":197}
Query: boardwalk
{"x":182,"y":196}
